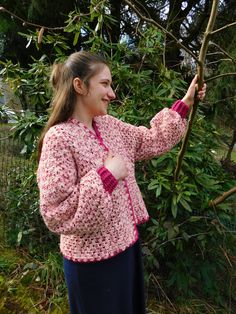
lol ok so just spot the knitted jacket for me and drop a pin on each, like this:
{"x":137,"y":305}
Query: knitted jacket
{"x":95,"y":214}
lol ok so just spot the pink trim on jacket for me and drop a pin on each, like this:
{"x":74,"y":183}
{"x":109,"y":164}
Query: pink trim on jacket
{"x":181,"y":107}
{"x":109,"y":181}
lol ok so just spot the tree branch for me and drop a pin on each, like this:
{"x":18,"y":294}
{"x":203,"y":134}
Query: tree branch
{"x":219,"y":60}
{"x":220,"y":101}
{"x":25,"y":23}
{"x":214,"y":53}
{"x":173,"y":239}
{"x":224,"y":196}
{"x":223,"y":51}
{"x":165,"y":31}
{"x":201,"y":61}
{"x":219,"y":76}
{"x":143,"y":7}
{"x":223,"y":28}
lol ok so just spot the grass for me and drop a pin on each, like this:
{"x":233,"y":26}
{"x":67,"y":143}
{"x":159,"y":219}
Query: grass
{"x":21,"y":293}
{"x":25,"y":284}
{"x":192,"y":306}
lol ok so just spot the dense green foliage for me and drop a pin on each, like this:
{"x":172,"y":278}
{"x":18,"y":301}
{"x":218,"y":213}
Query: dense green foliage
{"x":186,"y":243}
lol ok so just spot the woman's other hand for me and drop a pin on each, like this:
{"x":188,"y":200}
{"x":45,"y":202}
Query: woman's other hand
{"x":116,"y":165}
{"x":189,"y":97}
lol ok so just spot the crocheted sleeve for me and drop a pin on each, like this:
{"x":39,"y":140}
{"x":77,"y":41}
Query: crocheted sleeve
{"x":70,"y":204}
{"x":167,"y":128}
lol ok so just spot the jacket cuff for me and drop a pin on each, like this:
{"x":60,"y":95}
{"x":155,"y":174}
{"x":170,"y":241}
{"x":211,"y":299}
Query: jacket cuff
{"x":108,"y":180}
{"x":180,"y":107}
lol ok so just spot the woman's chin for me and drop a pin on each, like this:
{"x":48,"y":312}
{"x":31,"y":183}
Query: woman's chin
{"x":99,"y":111}
{"x":103,"y":111}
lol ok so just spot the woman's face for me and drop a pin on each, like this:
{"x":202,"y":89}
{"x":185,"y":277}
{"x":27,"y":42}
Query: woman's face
{"x":98,"y":95}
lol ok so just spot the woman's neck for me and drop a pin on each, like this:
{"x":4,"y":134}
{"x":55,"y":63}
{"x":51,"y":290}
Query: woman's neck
{"x":83,"y":117}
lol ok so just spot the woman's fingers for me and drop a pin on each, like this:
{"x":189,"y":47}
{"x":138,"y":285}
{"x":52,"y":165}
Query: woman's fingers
{"x":202,"y":93}
{"x":192,"y":90}
{"x":194,"y":81}
{"x":110,"y":154}
{"x":193,"y":84}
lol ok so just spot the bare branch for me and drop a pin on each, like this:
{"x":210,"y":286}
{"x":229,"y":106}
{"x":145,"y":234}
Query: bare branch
{"x":26,"y":23}
{"x":214,"y":53}
{"x":222,"y":50}
{"x":143,"y":7}
{"x":201,"y":61}
{"x":223,"y":28}
{"x":224,"y":196}
{"x":219,"y":76}
{"x":219,"y":60}
{"x":219,"y":100}
{"x":163,"y":291}
{"x":164,"y":30}
{"x":206,"y":39}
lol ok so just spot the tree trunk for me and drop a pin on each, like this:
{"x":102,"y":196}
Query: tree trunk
{"x":116,"y":13}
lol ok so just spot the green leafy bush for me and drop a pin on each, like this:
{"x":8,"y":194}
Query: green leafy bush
{"x":186,"y":239}
{"x":24,"y":226}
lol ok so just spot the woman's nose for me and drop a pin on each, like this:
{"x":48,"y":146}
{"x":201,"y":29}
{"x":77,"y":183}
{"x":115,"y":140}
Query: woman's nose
{"x":112,"y":94}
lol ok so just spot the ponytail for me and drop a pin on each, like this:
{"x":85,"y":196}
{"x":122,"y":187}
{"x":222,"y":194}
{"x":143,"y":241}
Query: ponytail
{"x":63,"y":100}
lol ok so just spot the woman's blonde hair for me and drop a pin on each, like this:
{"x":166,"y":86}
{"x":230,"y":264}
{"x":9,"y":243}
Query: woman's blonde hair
{"x":82,"y":64}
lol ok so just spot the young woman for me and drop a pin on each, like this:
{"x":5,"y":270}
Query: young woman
{"x":88,"y":192}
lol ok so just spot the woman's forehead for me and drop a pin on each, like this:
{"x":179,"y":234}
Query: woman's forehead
{"x":105,"y":74}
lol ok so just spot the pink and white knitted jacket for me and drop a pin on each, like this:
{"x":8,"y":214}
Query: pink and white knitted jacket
{"x":96,"y":215}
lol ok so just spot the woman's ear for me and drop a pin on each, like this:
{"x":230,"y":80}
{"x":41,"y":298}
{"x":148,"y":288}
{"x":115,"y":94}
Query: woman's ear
{"x":79,"y":86}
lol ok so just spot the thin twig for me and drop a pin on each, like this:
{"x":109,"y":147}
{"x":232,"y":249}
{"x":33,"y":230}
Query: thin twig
{"x":219,"y":100}
{"x":164,"y":30}
{"x":219,"y":60}
{"x":201,"y":61}
{"x":5,"y":138}
{"x":214,"y":53}
{"x":173,"y":239}
{"x":222,"y":50}
{"x":162,"y":290}
{"x":221,"y":198}
{"x":143,"y":7}
{"x":219,"y":76}
{"x":2,"y":9}
{"x":25,"y":23}
{"x":223,"y":28}
{"x":226,"y":256}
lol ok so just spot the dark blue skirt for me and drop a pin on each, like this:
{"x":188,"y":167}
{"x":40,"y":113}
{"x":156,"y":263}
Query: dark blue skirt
{"x":111,"y":286}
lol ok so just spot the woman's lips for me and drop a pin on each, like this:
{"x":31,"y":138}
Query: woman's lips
{"x":106,"y":101}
